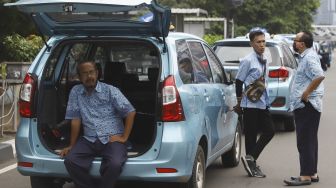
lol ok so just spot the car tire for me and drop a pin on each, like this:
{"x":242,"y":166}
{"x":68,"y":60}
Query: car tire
{"x":45,"y":182}
{"x":197,"y":179}
{"x":289,"y":124}
{"x":232,"y":157}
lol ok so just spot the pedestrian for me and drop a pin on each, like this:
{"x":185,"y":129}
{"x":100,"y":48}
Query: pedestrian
{"x":306,"y":102}
{"x":106,"y":117}
{"x":256,"y":116}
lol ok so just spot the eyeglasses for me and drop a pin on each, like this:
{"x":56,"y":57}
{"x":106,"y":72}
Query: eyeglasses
{"x":86,"y":74}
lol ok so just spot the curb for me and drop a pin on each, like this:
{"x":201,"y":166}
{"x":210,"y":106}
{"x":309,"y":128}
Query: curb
{"x":7,"y":150}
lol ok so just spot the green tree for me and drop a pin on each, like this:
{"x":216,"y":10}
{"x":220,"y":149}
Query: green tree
{"x":277,"y":16}
{"x":13,"y":22}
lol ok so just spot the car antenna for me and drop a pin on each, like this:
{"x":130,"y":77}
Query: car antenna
{"x":39,"y":31}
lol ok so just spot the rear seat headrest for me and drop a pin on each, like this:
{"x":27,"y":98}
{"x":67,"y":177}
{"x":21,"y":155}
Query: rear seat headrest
{"x":113,"y":71}
{"x":153,"y":73}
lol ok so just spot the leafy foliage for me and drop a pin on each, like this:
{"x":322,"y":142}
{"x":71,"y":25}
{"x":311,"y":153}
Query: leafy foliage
{"x":18,"y":48}
{"x":277,"y":16}
{"x":211,"y":39}
{"x":12,"y":21}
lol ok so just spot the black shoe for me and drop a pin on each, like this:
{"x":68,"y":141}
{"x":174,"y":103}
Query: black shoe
{"x":313,"y":180}
{"x":256,"y":172}
{"x":249,"y":164}
{"x":297,"y":182}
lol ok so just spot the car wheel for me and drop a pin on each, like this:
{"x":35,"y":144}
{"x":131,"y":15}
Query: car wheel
{"x":232,"y":157}
{"x":45,"y":182}
{"x":197,"y":178}
{"x":289,"y":124}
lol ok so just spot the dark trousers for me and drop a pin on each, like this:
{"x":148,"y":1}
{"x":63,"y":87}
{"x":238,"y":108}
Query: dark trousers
{"x":307,"y":122}
{"x":79,"y":160}
{"x":255,"y":121}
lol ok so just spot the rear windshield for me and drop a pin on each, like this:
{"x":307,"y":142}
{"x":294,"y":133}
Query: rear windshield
{"x":230,"y":55}
{"x":136,"y":58}
{"x":139,"y":14}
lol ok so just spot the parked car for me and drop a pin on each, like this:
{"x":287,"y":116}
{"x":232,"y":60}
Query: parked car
{"x":184,"y":115}
{"x":282,"y":67}
{"x":288,"y":38}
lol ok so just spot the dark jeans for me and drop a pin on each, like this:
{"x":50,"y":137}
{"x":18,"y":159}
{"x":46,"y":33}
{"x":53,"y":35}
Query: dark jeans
{"x":79,"y":160}
{"x":307,"y":122}
{"x":255,"y":121}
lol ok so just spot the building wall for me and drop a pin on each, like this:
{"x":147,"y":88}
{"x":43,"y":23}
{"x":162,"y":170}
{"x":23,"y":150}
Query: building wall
{"x":194,"y":28}
{"x":326,"y":13}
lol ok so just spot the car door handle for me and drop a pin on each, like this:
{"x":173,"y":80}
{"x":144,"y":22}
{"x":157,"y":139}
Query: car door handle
{"x":222,"y":92}
{"x":206,"y":96}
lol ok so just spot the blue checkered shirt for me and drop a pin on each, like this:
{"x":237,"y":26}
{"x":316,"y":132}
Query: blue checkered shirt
{"x":250,"y":69}
{"x":309,"y":69}
{"x":101,"y":113}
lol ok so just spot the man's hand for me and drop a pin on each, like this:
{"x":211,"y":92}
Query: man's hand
{"x":118,"y":138}
{"x":65,"y":151}
{"x":237,"y":108}
{"x":305,"y":96}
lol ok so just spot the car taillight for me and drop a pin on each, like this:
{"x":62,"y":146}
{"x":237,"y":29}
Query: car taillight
{"x":27,"y":93}
{"x":279,"y":102}
{"x":282,"y":72}
{"x":172,"y":106}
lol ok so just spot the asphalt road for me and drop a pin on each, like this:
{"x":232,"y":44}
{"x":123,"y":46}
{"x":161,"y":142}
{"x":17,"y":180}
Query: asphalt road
{"x":278,"y":161}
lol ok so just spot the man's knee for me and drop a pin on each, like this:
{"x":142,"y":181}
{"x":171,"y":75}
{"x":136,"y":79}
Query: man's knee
{"x":113,"y":166}
{"x":69,"y":163}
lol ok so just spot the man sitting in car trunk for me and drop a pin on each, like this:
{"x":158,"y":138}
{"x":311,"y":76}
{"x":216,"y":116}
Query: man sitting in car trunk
{"x":107,"y":119}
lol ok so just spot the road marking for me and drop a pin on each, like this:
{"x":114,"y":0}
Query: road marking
{"x":8,"y":168}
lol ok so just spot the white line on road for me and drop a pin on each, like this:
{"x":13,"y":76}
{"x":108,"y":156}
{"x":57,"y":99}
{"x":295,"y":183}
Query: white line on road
{"x":8,"y":168}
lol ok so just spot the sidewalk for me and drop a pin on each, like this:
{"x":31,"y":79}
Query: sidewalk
{"x":7,"y":150}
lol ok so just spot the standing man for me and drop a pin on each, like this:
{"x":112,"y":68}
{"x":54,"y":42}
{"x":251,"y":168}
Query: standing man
{"x":256,"y":115}
{"x":106,"y":117}
{"x":306,"y":101}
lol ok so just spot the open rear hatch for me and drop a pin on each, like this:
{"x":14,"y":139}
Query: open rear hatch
{"x":97,"y":17}
{"x":126,"y":19}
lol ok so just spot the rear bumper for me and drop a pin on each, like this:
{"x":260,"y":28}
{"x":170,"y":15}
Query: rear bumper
{"x":175,"y":149}
{"x":281,"y":113}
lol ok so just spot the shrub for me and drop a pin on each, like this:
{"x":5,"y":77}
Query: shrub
{"x":211,"y":39}
{"x":18,"y":48}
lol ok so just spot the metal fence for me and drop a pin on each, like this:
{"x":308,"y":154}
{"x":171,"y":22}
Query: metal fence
{"x":8,"y":101}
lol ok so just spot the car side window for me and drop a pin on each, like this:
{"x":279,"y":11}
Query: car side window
{"x":291,"y":60}
{"x":202,"y":73}
{"x":76,"y":54}
{"x":216,"y":67}
{"x":52,"y":63}
{"x":184,"y":62}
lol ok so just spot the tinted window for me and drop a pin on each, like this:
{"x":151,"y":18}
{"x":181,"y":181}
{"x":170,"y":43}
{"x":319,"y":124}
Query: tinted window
{"x":139,"y":14}
{"x":202,"y":73}
{"x":184,"y":61}
{"x":289,"y":58}
{"x":52,"y":62}
{"x":216,"y":66}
